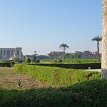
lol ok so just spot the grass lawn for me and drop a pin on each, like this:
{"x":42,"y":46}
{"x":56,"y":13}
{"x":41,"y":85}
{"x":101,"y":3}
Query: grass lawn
{"x":33,"y":93}
{"x":9,"y":80}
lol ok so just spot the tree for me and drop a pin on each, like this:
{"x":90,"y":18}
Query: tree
{"x":97,"y":39}
{"x":67,"y":56}
{"x":34,"y":59}
{"x":104,"y":40}
{"x":27,"y":60}
{"x":77,"y":55}
{"x":63,"y":47}
{"x":17,"y":60}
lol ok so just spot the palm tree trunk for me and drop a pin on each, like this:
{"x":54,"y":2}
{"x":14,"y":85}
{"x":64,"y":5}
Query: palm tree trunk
{"x":104,"y":40}
{"x":98,"y":55}
{"x":64,"y":50}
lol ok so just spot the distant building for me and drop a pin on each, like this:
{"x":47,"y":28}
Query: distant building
{"x":87,"y":54}
{"x":9,"y":53}
{"x":55,"y":54}
{"x":42,"y":57}
{"x":38,"y":57}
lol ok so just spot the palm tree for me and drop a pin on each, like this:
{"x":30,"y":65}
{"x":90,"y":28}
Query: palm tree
{"x":63,"y":47}
{"x":97,"y":39}
{"x":104,"y":40}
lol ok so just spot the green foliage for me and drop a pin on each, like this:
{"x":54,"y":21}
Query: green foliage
{"x":68,"y":56}
{"x":17,"y":60}
{"x":27,"y":60}
{"x":87,"y":94}
{"x":63,"y":47}
{"x":54,"y":76}
{"x":34,"y":59}
{"x":72,"y":66}
{"x":58,"y":61}
{"x":55,"y":61}
{"x":38,"y":61}
{"x":6,"y":64}
{"x":97,"y":38}
{"x":91,"y":93}
{"x":73,"y":61}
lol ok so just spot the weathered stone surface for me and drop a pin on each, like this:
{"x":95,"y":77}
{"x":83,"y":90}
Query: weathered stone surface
{"x":9,"y":53}
{"x":104,"y":40}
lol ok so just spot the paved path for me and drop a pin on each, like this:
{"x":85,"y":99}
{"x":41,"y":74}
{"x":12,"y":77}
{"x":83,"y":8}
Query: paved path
{"x":10,"y":80}
{"x":99,"y":70}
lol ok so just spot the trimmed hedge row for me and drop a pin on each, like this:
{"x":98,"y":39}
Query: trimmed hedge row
{"x":6,"y":64}
{"x":55,"y":76}
{"x":87,"y":94}
{"x":74,"y":66}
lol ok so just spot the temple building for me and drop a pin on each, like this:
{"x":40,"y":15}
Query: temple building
{"x":9,"y":53}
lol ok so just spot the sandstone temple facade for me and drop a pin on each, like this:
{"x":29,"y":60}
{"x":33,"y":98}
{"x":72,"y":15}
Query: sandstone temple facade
{"x":104,"y":39}
{"x":9,"y":53}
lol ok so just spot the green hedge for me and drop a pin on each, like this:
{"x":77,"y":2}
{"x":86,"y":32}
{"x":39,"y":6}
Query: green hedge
{"x":6,"y":64}
{"x":71,"y":61}
{"x":87,"y":94}
{"x":55,"y":76}
{"x":74,"y":66}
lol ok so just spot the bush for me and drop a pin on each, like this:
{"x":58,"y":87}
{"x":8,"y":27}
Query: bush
{"x":91,"y":93}
{"x":55,"y":61}
{"x":74,"y":61}
{"x":55,"y":76}
{"x":60,"y":61}
{"x":75,"y":66}
{"x":16,"y":60}
{"x":6,"y":64}
{"x":38,"y":61}
{"x":87,"y":94}
{"x":34,"y":59}
{"x":27,"y":60}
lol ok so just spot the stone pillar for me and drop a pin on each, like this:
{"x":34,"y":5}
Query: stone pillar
{"x":14,"y":53}
{"x":20,"y":53}
{"x":104,"y":40}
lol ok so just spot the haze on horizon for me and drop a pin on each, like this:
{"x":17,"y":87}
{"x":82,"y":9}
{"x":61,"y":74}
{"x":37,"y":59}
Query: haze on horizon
{"x":42,"y":25}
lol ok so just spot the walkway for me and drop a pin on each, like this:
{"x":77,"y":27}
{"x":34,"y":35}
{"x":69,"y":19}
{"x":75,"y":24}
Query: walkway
{"x":99,"y":70}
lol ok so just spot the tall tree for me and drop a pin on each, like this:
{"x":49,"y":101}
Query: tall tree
{"x":104,"y":40}
{"x":63,"y":47}
{"x":97,"y":39}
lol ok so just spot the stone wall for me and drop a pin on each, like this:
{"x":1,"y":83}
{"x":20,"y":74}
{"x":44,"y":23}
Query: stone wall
{"x":104,"y":39}
{"x":9,"y":53}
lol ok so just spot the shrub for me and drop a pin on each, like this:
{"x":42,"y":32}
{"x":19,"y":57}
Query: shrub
{"x":91,"y":93}
{"x":60,"y":61}
{"x":34,"y":59}
{"x":12,"y":63}
{"x":75,"y":66}
{"x":55,"y":76}
{"x":86,"y":94}
{"x":6,"y":64}
{"x":27,"y":60}
{"x":38,"y":61}
{"x":16,"y":60}
{"x":55,"y":61}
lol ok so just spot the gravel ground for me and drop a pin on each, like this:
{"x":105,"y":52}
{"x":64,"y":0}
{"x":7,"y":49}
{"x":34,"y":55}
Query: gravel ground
{"x":11,"y":80}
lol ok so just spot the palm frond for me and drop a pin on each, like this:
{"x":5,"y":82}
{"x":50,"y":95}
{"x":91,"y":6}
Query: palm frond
{"x":97,"y":38}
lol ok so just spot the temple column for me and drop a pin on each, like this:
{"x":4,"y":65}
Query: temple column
{"x":104,"y":40}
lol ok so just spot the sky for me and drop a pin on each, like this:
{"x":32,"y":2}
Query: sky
{"x":42,"y":25}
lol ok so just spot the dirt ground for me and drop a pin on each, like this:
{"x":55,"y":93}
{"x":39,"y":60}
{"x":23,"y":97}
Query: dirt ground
{"x":11,"y":80}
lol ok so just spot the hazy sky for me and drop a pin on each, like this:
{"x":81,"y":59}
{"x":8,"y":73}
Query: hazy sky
{"x":42,"y":25}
